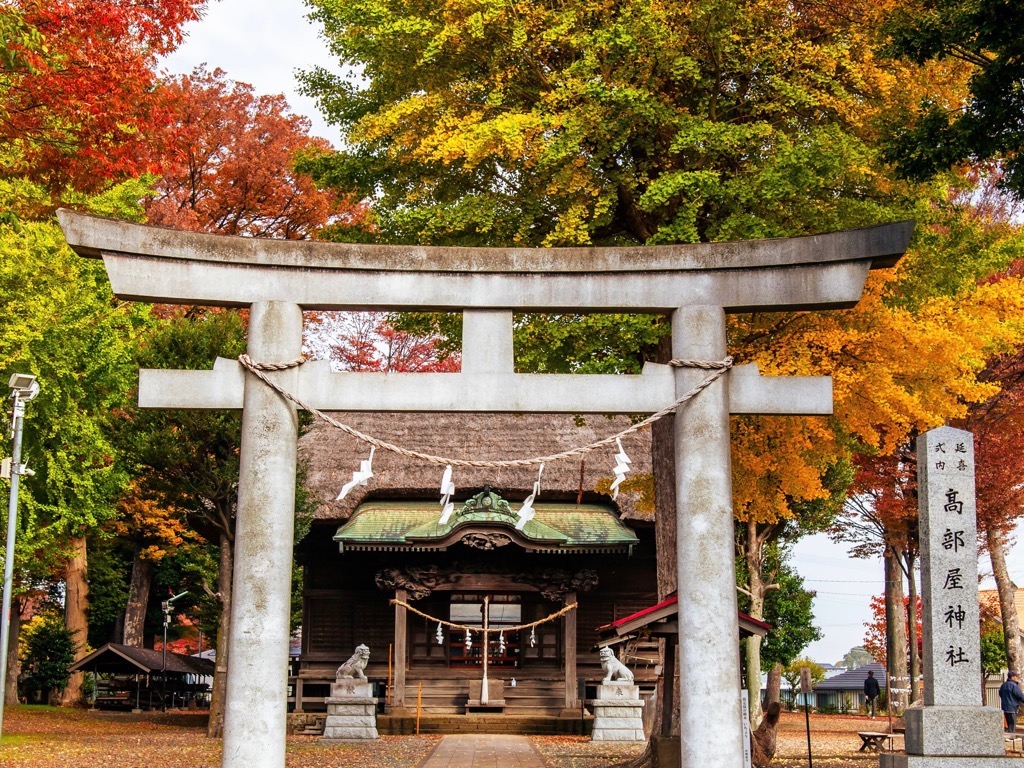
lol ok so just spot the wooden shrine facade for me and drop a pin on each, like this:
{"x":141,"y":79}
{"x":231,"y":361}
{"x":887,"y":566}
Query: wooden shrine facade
{"x":384,"y":542}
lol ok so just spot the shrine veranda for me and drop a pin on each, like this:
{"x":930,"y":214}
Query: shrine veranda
{"x":695,"y":285}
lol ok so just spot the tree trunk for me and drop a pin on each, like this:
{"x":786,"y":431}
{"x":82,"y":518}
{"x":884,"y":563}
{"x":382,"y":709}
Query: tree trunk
{"x":663,"y":467}
{"x":1007,"y":606}
{"x":138,"y":600}
{"x":895,"y":630}
{"x":220,"y":674}
{"x":910,"y":558}
{"x":755,"y":562}
{"x":774,"y":684}
{"x":76,"y":603}
{"x":13,"y":667}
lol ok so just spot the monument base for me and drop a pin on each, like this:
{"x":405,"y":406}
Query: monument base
{"x":954,"y":731}
{"x":618,"y":713}
{"x":351,"y":713}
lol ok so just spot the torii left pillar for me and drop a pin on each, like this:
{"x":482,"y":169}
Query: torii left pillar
{"x":697,"y":285}
{"x":264,"y":525}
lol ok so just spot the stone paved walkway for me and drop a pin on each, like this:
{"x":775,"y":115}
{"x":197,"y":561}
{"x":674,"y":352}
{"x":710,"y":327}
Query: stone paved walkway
{"x":480,"y":750}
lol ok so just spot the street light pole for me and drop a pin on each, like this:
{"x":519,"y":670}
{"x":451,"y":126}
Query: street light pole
{"x":166,"y":606}
{"x":24,"y":388}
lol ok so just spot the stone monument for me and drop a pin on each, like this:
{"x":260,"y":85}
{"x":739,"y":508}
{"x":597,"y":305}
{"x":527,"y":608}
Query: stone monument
{"x":950,"y":728}
{"x":351,"y":707}
{"x":618,"y":709}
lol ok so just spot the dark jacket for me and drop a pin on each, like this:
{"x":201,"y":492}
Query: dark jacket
{"x":871,"y":688}
{"x":1010,"y":695}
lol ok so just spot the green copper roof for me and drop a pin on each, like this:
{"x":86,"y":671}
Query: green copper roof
{"x":414,"y":525}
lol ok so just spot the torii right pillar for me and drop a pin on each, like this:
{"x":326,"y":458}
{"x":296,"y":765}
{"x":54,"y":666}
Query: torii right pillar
{"x":707,"y":658}
{"x":950,"y":728}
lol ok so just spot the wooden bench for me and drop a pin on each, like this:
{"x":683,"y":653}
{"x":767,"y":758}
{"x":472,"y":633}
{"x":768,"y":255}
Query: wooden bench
{"x":874,"y":741}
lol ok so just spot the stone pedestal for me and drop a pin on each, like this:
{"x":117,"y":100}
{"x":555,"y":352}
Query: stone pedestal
{"x":931,"y":761}
{"x":966,"y":731}
{"x":618,"y":713}
{"x":351,"y":713}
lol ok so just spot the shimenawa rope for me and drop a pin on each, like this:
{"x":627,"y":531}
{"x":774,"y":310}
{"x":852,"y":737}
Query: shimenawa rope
{"x":720,"y":367}
{"x":489,"y":630}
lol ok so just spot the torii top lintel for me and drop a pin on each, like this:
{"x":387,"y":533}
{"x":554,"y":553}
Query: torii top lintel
{"x":156,"y":264}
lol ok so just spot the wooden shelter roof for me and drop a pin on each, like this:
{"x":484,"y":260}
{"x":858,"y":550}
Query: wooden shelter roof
{"x":114,"y":658}
{"x":329,"y":457}
{"x":662,"y":619}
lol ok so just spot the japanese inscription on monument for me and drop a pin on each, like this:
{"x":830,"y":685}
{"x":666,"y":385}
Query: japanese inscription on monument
{"x":950,"y":727}
{"x":949,"y":566}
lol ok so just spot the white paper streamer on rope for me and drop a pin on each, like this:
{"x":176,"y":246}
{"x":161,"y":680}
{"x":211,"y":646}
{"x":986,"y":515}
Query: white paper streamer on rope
{"x":501,"y":643}
{"x":469,"y":640}
{"x":447,"y":489}
{"x":360,"y":477}
{"x":533,"y":636}
{"x":622,"y":462}
{"x":526,"y":512}
{"x":440,"y":634}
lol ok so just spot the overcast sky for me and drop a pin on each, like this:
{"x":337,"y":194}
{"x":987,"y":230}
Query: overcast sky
{"x":264,"y":43}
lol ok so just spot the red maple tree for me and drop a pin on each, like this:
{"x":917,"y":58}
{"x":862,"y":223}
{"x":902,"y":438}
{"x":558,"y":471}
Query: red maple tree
{"x":231,"y":165}
{"x":366,"y":341}
{"x":80,"y":100}
{"x":874,"y":637}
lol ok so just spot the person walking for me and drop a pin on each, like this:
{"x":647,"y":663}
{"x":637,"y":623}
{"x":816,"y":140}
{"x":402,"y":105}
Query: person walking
{"x":1011,"y":697}
{"x":871,"y":691}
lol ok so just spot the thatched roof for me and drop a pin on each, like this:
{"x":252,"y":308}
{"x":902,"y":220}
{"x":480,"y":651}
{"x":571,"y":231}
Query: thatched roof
{"x":330,"y":457}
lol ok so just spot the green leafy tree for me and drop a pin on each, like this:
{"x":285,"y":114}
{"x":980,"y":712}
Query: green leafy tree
{"x":993,"y":648}
{"x":989,"y":123}
{"x":190,"y":457}
{"x":62,"y":323}
{"x":633,"y":122}
{"x":791,"y":674}
{"x":789,"y":609}
{"x":49,"y":652}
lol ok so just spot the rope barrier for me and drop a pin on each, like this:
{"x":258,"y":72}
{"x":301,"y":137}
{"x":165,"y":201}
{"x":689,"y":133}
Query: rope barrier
{"x":720,"y":367}
{"x":489,"y":630}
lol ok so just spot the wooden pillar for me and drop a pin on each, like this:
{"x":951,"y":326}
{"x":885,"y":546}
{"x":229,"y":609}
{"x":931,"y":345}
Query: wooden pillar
{"x":298,"y":695}
{"x":569,"y":652}
{"x":401,"y":634}
{"x":668,"y":684}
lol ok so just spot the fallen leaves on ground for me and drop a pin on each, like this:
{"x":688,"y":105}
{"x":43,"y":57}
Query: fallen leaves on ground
{"x":46,"y":737}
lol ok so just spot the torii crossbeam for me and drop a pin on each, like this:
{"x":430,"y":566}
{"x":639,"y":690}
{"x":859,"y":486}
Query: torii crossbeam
{"x":696,"y":284}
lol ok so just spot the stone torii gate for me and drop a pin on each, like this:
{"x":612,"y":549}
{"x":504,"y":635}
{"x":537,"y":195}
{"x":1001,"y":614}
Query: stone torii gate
{"x":697,"y":285}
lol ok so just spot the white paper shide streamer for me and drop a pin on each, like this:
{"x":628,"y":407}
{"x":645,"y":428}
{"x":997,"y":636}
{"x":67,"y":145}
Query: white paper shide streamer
{"x":440,"y":634}
{"x":622,"y":462}
{"x":526,"y":511}
{"x":360,"y":477}
{"x":447,"y":489}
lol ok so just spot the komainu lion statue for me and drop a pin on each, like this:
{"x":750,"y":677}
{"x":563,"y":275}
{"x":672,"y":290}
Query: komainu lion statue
{"x":353,"y":668}
{"x":613,"y":668}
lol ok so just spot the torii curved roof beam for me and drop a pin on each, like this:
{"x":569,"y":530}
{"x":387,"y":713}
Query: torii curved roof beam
{"x":156,"y":264}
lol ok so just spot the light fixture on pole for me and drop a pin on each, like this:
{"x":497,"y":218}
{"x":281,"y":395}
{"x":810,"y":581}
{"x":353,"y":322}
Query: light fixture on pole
{"x":166,"y":606}
{"x":24,"y":387}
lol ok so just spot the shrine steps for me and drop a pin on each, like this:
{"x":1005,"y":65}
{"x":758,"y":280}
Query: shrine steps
{"x":447,"y":696}
{"x":446,"y":724}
